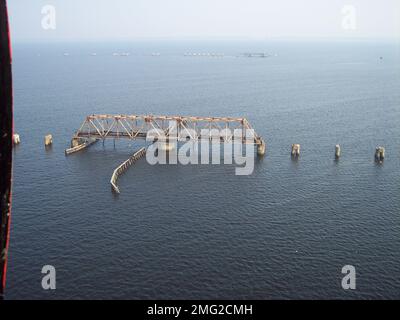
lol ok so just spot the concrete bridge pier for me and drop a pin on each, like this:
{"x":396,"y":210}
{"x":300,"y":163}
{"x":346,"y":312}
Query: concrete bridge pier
{"x":261,"y":148}
{"x":380,"y":154}
{"x":295,"y":150}
{"x":337,"y":151}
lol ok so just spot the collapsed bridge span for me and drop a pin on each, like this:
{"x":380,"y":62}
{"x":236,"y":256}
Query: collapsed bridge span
{"x":106,"y":126}
{"x":165,"y":129}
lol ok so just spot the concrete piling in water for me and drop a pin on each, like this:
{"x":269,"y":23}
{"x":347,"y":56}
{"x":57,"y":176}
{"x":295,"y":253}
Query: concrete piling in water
{"x":379,"y":154}
{"x":261,"y":149}
{"x":337,"y":151}
{"x":16,"y":139}
{"x":48,"y":140}
{"x":75,"y":142}
{"x":295,"y":150}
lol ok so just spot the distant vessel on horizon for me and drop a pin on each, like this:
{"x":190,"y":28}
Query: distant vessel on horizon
{"x":256,"y":55}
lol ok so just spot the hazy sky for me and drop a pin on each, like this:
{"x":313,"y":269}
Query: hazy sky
{"x":258,"y":19}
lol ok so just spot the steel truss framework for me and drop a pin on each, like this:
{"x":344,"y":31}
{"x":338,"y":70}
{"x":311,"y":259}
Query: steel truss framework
{"x":104,"y":126}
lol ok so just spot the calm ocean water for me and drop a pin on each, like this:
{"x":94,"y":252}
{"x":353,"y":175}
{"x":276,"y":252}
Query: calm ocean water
{"x":178,"y":231}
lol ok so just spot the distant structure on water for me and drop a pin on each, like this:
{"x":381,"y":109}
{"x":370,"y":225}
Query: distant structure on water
{"x":256,"y":55}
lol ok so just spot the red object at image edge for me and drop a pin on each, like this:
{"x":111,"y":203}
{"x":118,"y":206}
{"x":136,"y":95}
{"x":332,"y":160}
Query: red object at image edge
{"x":6,"y":134}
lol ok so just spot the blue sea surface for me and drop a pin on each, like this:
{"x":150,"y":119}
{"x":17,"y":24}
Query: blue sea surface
{"x":200,"y":231}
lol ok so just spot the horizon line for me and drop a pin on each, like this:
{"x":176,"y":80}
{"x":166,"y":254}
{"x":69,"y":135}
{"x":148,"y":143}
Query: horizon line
{"x":208,"y":38}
